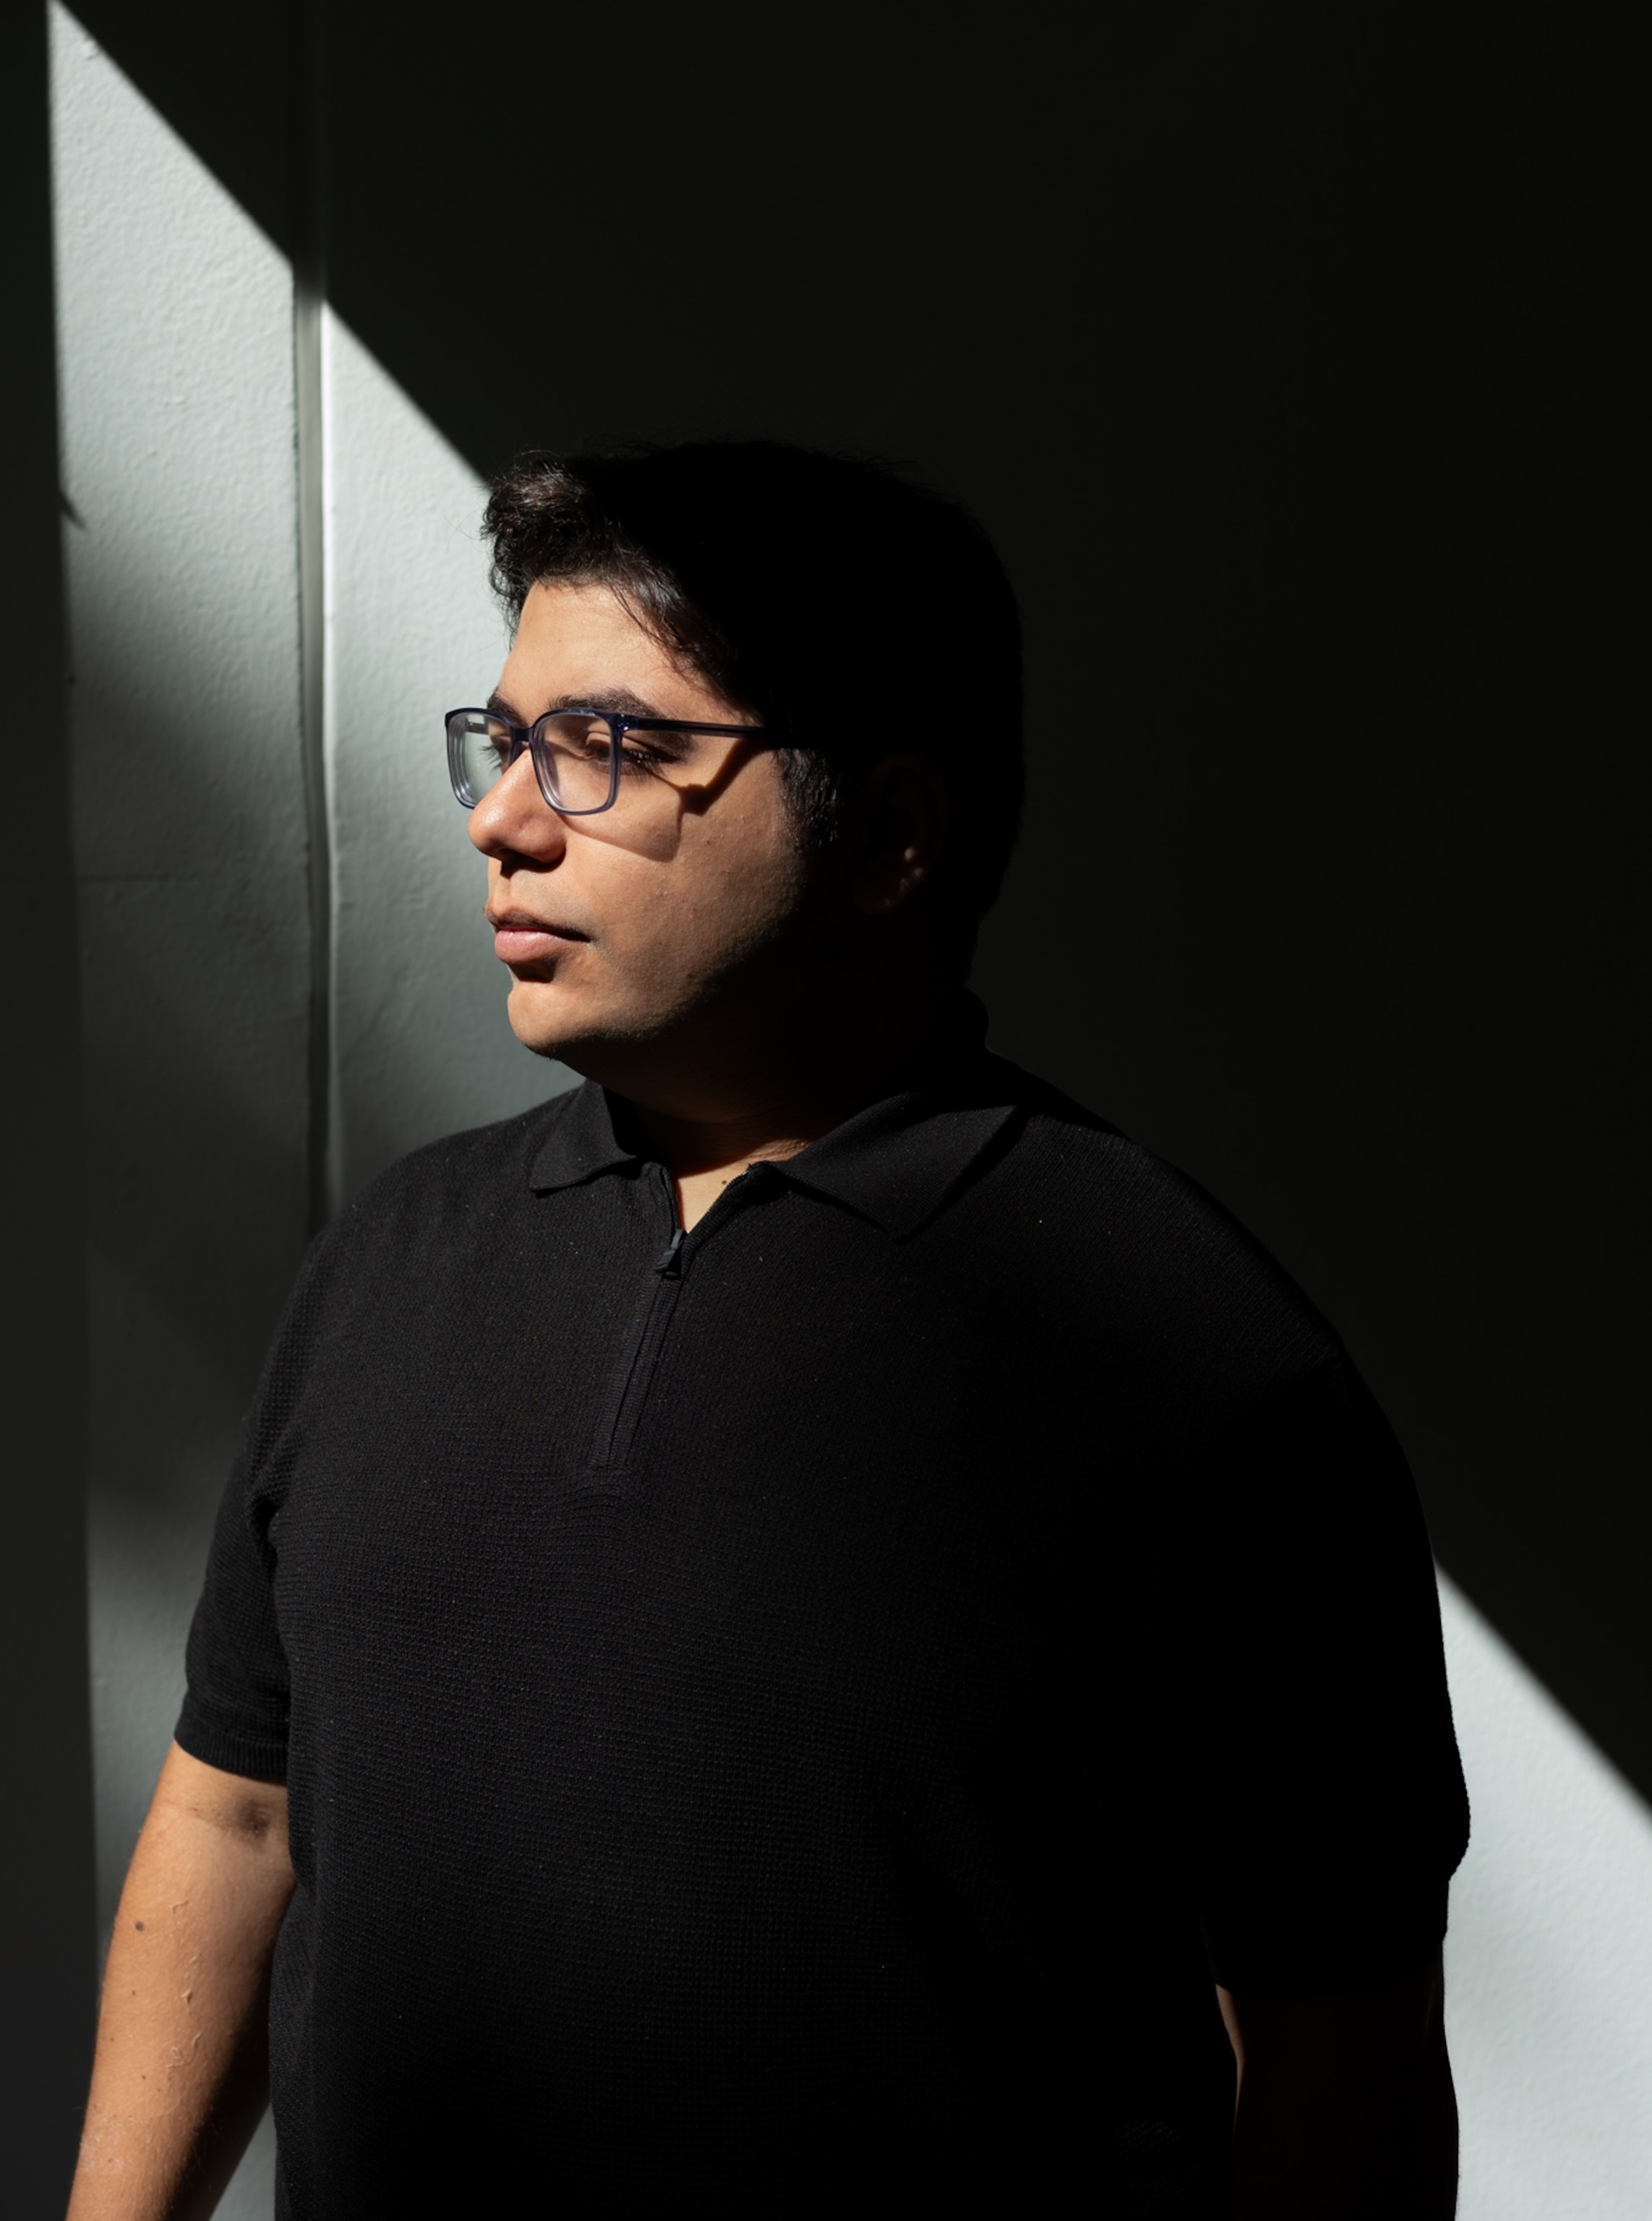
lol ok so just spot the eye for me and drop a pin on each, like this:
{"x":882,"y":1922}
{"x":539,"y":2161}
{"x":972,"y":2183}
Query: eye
{"x":653,"y":751}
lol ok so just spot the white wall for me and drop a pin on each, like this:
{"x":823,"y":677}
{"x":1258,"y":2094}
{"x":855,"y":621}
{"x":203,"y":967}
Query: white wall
{"x":176,"y":380}
{"x":177,"y":412}
{"x":1549,"y":1962}
{"x":178,"y":409}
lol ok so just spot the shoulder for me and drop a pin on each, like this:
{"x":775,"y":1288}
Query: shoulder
{"x":459,"y":1187}
{"x":425,"y":1224}
{"x":1146,"y":1246}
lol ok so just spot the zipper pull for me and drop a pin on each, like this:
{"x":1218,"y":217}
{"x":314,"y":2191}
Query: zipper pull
{"x":666,"y":1263}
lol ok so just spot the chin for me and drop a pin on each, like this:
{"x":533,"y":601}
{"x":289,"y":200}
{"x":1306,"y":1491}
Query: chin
{"x":606,"y":1038}
{"x":544,"y":1017}
{"x":555,"y":1021}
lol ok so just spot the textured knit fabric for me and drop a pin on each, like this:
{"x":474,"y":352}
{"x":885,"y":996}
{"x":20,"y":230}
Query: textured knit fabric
{"x":796,"y":1716}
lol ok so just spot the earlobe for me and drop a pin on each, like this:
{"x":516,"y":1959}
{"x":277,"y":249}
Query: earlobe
{"x":878,"y":895}
{"x":903,"y":822}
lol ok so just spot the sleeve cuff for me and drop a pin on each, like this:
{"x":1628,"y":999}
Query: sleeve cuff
{"x":256,"y":1748}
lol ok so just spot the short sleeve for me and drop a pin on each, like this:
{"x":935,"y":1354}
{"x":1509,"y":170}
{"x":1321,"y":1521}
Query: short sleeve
{"x":235,"y":1712}
{"x":235,"y":1708}
{"x":1327,"y":1802}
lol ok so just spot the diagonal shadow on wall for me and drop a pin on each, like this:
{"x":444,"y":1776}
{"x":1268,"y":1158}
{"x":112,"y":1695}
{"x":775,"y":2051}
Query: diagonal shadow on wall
{"x":1272,"y":346}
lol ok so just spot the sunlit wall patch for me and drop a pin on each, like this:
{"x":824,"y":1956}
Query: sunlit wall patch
{"x":1549,"y":1962}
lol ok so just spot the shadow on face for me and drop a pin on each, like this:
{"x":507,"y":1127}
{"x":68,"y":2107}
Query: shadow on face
{"x":620,"y":924}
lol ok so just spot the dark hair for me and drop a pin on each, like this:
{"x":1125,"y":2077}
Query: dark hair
{"x":854,"y":611}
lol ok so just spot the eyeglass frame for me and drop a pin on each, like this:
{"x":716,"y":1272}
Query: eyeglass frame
{"x":619,"y":723}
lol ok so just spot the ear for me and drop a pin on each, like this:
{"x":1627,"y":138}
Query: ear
{"x":899,"y":827}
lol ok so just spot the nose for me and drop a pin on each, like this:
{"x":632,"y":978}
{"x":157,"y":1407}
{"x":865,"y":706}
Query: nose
{"x":514,"y":819}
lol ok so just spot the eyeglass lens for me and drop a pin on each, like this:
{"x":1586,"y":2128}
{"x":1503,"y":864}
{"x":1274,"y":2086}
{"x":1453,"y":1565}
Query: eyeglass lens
{"x":573,"y":759}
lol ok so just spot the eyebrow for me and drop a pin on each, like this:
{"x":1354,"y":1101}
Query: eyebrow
{"x":611,"y":701}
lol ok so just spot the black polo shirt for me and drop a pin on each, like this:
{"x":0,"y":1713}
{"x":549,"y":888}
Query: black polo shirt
{"x":801,"y":1713}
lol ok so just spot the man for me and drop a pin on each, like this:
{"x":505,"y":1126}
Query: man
{"x":837,"y":1635}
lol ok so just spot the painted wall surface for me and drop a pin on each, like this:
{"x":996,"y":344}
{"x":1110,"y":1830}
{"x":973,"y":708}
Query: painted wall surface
{"x":175,"y":338}
{"x":176,"y":324}
{"x":1548,"y":1960}
{"x":176,"y":413}
{"x":420,"y":1044}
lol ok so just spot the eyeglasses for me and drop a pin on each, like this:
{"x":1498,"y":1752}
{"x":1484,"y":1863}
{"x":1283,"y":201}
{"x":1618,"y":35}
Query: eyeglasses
{"x":586,"y":759}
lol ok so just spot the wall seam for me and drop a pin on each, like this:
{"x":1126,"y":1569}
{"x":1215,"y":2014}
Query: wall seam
{"x":309,"y":295}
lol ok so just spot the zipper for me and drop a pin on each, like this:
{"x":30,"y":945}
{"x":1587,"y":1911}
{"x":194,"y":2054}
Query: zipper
{"x":638,"y":1361}
{"x":628,"y":1382}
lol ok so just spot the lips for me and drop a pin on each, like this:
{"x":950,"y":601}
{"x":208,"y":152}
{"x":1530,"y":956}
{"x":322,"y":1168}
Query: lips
{"x":519,"y":938}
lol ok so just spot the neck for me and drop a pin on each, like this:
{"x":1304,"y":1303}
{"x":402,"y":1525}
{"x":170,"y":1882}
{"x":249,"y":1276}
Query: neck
{"x":707,"y":1126}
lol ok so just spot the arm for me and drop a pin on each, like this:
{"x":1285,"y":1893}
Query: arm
{"x":1346,"y":2107}
{"x":180,"y":2074}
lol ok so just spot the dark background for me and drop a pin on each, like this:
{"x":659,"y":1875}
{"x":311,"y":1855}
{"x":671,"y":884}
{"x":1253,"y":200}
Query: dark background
{"x":49,"y":1956}
{"x":1279,"y":347}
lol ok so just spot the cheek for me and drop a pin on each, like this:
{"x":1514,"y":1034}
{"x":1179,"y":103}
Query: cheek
{"x":747,"y":874}
{"x":734,"y":875}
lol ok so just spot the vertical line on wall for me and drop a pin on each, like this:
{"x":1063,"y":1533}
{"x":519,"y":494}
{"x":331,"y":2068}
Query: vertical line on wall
{"x":309,"y":295}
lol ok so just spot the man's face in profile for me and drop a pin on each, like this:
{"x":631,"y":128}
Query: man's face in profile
{"x":617,"y":926}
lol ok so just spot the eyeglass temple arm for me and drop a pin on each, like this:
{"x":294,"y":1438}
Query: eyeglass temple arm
{"x":622,"y":723}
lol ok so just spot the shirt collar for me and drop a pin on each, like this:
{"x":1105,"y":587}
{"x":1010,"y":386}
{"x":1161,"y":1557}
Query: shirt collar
{"x":581,"y":1142}
{"x":896,"y":1162}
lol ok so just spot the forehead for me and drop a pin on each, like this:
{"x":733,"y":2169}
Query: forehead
{"x":581,"y":639}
